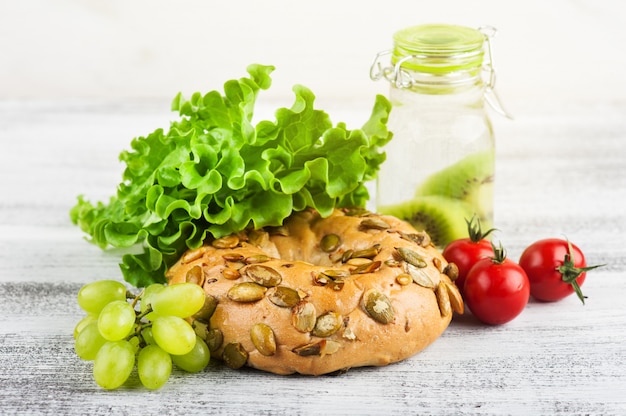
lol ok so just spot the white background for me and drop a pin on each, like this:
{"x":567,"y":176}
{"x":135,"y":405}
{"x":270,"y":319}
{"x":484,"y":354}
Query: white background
{"x":122,"y":49}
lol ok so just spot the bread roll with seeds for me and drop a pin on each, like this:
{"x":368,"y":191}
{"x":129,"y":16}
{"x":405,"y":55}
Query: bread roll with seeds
{"x":320,"y":295}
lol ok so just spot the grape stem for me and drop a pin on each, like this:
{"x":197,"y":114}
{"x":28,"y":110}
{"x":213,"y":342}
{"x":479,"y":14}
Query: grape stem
{"x":142,"y":315}
{"x":135,"y":298}
{"x":139,"y":327}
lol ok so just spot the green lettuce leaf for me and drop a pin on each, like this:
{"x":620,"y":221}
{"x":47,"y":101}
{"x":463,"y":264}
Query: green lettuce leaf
{"x":214,"y":173}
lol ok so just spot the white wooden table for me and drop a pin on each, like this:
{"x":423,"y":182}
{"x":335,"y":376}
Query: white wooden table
{"x":561,"y":172}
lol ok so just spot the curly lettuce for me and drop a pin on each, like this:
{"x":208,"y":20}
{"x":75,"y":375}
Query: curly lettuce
{"x":214,"y":173}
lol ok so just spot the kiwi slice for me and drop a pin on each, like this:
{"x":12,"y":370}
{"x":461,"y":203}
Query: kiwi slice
{"x":461,"y":179}
{"x":470,"y":180}
{"x":441,"y":217}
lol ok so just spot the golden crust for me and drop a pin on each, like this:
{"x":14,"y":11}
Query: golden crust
{"x":360,"y":340}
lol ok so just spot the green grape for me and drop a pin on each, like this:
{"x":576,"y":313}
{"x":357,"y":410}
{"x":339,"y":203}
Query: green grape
{"x":87,"y":319}
{"x":113,"y":364}
{"x":147,"y":336}
{"x":154,"y":367}
{"x":181,"y":299}
{"x":146,"y":299}
{"x":195,"y":360}
{"x":89,"y":341}
{"x":135,"y":341}
{"x":173,"y":334}
{"x":96,"y":295}
{"x":116,"y":321}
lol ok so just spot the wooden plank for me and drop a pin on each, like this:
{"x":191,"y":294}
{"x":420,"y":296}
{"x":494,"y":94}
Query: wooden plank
{"x":560,"y":171}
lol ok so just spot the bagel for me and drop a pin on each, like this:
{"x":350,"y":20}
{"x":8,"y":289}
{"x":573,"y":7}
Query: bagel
{"x":321,"y":295}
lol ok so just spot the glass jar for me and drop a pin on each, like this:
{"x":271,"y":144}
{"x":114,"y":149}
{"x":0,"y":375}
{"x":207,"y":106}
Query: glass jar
{"x":439,"y":171}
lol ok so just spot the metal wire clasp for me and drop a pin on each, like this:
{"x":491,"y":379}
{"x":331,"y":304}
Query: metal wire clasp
{"x":397,"y":76}
{"x":378,"y":70}
{"x":488,"y":64}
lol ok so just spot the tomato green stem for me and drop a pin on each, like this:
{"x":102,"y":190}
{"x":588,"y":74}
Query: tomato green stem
{"x":499,"y":253}
{"x":570,"y":272}
{"x":474,"y":229}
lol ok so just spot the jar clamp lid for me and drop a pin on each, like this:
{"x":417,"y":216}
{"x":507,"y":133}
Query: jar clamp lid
{"x":438,"y":49}
{"x":437,"y":52}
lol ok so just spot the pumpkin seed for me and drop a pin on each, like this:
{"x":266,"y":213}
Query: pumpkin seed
{"x":366,"y":268}
{"x":214,"y":339}
{"x":207,"y":310}
{"x":437,"y":263}
{"x":443,"y":300}
{"x":419,"y":276}
{"x":192,"y":255}
{"x":393,"y":263}
{"x":452,"y":271}
{"x":330,"y":347}
{"x":336,"y":273}
{"x":263,"y":275}
{"x":303,"y":316}
{"x":347,"y":255}
{"x":283,"y":296}
{"x":231,"y":274}
{"x":327,"y":324}
{"x":378,"y":306}
{"x":421,"y":238}
{"x":307,"y":350}
{"x":336,"y":256}
{"x":195,"y":275}
{"x":368,"y":253}
{"x":246,"y":292}
{"x":234,"y":257}
{"x":229,"y":241}
{"x":334,"y":278}
{"x":200,"y":327}
{"x":234,"y":355}
{"x":320,"y":279}
{"x":456,"y":301}
{"x":257,"y":258}
{"x":330,"y":243}
{"x":374,"y":223}
{"x":404,"y":279}
{"x":358,"y":261}
{"x":356,"y":212}
{"x":411,"y":257}
{"x":263,"y":339}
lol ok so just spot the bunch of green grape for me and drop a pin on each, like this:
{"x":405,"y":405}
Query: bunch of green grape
{"x":149,"y":330}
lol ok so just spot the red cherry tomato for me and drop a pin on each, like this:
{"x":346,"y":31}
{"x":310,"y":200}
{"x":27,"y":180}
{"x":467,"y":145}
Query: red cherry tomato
{"x":466,"y":252}
{"x":555,"y":268}
{"x":496,"y":289}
